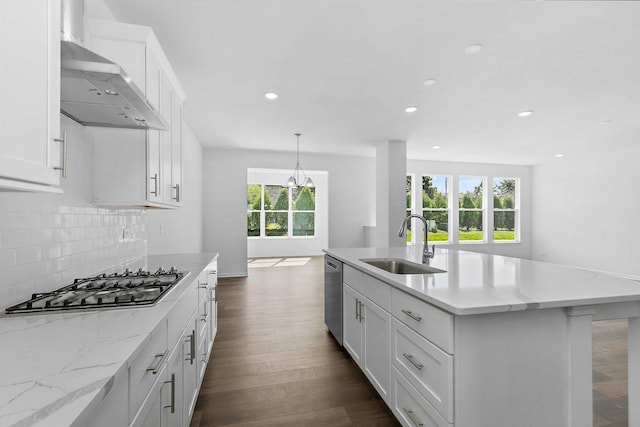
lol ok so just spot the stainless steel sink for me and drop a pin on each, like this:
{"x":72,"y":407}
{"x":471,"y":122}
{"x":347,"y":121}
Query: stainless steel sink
{"x":401,"y":266}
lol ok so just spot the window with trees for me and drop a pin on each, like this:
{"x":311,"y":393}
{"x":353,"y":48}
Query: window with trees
{"x":277,"y":211}
{"x":505,"y":191}
{"x":435,"y":206}
{"x":470,"y":206}
{"x":409,"y":208}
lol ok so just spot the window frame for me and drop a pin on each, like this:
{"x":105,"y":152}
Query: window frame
{"x":515,"y":210}
{"x":290,"y":211}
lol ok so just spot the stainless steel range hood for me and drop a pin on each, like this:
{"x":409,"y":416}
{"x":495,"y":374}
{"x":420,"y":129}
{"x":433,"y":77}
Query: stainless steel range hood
{"x":95,"y":91}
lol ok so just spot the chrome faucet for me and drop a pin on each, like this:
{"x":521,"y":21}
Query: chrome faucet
{"x":426,"y":254}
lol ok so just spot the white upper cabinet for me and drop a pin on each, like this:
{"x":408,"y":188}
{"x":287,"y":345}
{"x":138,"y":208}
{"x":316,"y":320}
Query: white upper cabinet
{"x":139,"y":167}
{"x":30,"y":139}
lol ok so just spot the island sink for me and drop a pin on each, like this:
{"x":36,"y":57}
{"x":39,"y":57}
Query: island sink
{"x":401,"y":266}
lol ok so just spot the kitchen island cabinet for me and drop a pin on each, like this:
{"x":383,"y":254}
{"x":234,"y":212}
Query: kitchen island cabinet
{"x":113,"y":367}
{"x":495,"y":340}
{"x":30,"y":139}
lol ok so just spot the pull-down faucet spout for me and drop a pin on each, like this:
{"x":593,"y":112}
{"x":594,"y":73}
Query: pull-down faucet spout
{"x":426,"y":254}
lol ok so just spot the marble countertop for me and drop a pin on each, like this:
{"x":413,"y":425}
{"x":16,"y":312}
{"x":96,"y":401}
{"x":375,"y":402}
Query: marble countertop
{"x":476,"y":283}
{"x":57,"y":367}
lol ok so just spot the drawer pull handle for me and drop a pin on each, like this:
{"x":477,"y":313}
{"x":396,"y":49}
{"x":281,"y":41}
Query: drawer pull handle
{"x":205,"y":318}
{"x":413,"y":316}
{"x":173,"y":393}
{"x":192,"y":347}
{"x":361,"y":305}
{"x":357,"y":308}
{"x":412,"y":417}
{"x":412,"y":359}
{"x":161,"y":357}
{"x":204,"y":285}
{"x":63,"y":167}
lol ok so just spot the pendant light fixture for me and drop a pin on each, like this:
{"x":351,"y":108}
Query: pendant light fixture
{"x":294,"y":179}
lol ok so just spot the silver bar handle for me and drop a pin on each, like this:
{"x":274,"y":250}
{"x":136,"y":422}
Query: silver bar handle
{"x":63,"y":168}
{"x":173,"y":393}
{"x":155,"y":184}
{"x":192,"y":347}
{"x":357,"y":308}
{"x":412,"y":417}
{"x":361,"y":316}
{"x":204,"y":285}
{"x":155,"y":369}
{"x":413,"y":361}
{"x":177,"y":188}
{"x":413,"y":316}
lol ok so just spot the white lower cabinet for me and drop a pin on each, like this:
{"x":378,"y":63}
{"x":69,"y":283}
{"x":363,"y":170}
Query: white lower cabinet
{"x":410,"y":407}
{"x":366,"y":336}
{"x":162,"y":379}
{"x":404,"y":346}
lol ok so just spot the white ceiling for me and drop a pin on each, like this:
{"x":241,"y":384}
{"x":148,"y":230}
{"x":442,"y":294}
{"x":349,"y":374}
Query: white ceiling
{"x":346,"y":69}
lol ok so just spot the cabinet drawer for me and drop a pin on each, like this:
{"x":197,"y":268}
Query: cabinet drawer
{"x":425,"y":366}
{"x":377,"y":291}
{"x":411,"y":408}
{"x":146,"y":367}
{"x":352,"y":277}
{"x":430,"y":322}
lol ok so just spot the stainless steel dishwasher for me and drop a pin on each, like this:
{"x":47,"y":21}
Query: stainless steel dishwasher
{"x":333,"y":296}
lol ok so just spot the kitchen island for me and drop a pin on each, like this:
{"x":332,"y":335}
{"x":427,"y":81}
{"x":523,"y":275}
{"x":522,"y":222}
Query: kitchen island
{"x":75,"y":368}
{"x":491,"y":341}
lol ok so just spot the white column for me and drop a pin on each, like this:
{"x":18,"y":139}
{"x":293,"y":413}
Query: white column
{"x":391,"y":176}
{"x":580,"y":376}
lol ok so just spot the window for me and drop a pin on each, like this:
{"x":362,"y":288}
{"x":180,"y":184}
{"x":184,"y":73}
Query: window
{"x":505,"y":214}
{"x":271,"y":209}
{"x":470,"y":219}
{"x":435,"y":206}
{"x":409,"y":208}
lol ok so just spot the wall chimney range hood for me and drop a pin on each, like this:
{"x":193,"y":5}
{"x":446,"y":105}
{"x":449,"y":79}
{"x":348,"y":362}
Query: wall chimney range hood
{"x":95,"y":91}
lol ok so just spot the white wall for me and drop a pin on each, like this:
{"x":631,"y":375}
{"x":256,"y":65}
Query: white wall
{"x":351,"y":199}
{"x":293,"y":246}
{"x":520,"y":249}
{"x":586,"y":212}
{"x":46,"y":240}
{"x":180,"y":230}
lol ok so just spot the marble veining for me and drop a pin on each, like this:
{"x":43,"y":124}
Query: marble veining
{"x":477,"y":283}
{"x":61,"y":365}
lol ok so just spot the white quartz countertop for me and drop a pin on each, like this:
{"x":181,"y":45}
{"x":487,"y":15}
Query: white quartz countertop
{"x":57,"y":367}
{"x":476,"y":283}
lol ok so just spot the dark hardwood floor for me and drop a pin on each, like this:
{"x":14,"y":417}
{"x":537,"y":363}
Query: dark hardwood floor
{"x":274,"y":363}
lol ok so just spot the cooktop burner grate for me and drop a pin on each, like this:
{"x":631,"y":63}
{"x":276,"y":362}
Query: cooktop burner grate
{"x":103,"y":291}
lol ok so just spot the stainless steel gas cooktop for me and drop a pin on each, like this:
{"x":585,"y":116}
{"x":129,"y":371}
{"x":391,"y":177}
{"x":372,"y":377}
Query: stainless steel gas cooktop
{"x":104,"y":291}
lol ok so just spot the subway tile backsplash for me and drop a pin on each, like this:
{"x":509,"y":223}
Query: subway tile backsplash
{"x":45,"y":243}
{"x":47,"y":240}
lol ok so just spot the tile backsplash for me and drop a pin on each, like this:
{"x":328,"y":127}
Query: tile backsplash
{"x":47,"y":240}
{"x":44,"y":243}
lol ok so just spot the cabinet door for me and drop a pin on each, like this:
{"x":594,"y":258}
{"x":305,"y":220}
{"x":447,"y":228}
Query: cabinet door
{"x":29,"y":92}
{"x":172,"y":391}
{"x":377,"y":338}
{"x":166,"y":96}
{"x":176,"y":150}
{"x":153,"y":166}
{"x":352,"y":330}
{"x":190,"y":370}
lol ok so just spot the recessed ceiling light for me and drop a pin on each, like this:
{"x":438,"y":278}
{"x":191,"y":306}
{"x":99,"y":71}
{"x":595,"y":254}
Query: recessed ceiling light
{"x":429,"y":82}
{"x":474,"y":48}
{"x":436,"y":147}
{"x":411,"y":109}
{"x":606,"y":122}
{"x":559,"y":155}
{"x":271,"y":95}
{"x":525,"y":113}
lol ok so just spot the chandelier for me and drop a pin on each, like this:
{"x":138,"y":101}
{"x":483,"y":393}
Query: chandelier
{"x":294,"y":179}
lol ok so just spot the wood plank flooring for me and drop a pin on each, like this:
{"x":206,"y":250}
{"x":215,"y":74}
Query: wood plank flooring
{"x":274,"y":363}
